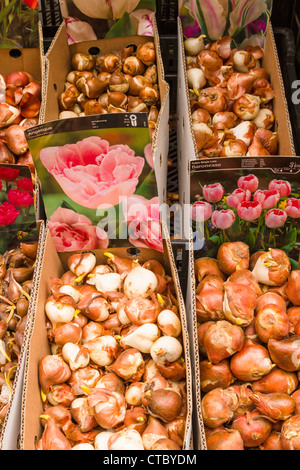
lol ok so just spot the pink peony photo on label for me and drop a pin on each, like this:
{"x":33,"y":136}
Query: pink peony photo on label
{"x":88,"y":170}
{"x":92,"y":173}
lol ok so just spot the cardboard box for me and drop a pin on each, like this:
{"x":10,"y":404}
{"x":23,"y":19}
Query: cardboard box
{"x":58,"y":65}
{"x":54,"y":265}
{"x":10,"y":431}
{"x":186,"y":142}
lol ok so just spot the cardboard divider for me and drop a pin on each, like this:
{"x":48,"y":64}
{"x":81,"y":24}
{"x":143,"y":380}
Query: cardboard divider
{"x":58,"y":64}
{"x":187,"y":150}
{"x":54,"y":265}
{"x":10,"y":432}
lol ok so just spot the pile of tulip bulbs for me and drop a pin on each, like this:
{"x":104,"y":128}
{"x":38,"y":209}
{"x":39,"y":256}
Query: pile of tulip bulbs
{"x":248,"y":312}
{"x":20,"y":103}
{"x":230,"y":97}
{"x":115,"y":378}
{"x":16,"y":274}
{"x":118,"y":82}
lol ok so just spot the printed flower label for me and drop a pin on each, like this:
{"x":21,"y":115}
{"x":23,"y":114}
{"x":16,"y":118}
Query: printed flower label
{"x":17,"y":211}
{"x":255,"y":200}
{"x":245,"y":21}
{"x":92,"y":20}
{"x":98,"y":181}
{"x":19,"y":21}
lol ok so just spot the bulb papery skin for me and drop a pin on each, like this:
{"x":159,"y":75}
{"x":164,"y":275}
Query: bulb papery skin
{"x":102,"y":350}
{"x":82,"y":264}
{"x":196,"y":78}
{"x":193,"y":46}
{"x":58,"y":312}
{"x":169,"y":323}
{"x":107,"y":282}
{"x":134,"y":393}
{"x":139,"y":282}
{"x":142,"y":338}
{"x":166,"y":349}
{"x":129,"y":439}
{"x":74,"y":356}
{"x":83,"y":447}
{"x":101,"y":440}
{"x":71,"y":291}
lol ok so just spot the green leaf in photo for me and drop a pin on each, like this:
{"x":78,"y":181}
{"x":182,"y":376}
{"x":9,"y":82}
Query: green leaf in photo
{"x":291,"y":236}
{"x":123,"y":27}
{"x":146,"y":5}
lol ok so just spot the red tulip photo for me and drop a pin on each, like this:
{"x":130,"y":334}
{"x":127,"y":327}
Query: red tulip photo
{"x":8,"y":214}
{"x":32,"y":3}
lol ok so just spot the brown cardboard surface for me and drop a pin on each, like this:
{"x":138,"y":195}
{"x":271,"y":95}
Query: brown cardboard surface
{"x":53,"y":266}
{"x":10,"y":431}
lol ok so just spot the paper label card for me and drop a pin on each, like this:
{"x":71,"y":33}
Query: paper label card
{"x":254,"y":200}
{"x":98,"y":181}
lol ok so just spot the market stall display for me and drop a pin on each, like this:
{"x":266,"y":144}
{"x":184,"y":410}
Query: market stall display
{"x":99,"y":349}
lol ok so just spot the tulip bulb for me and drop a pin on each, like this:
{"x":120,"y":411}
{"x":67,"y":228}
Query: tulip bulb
{"x":82,"y":264}
{"x":61,"y":310}
{"x":111,"y":282}
{"x":196,"y":79}
{"x":272,"y":268}
{"x":128,"y":439}
{"x":243,"y":61}
{"x":109,"y":408}
{"x":193,"y":46}
{"x":75,"y":356}
{"x":244,"y":131}
{"x":102,"y":350}
{"x":101,"y":440}
{"x":139,"y":282}
{"x":165,"y":404}
{"x":202,"y":133}
{"x":134,"y":393}
{"x":247,"y":107}
{"x":142,"y":338}
{"x":169,"y":323}
{"x":166,"y":349}
{"x":154,"y":432}
{"x":53,"y":370}
{"x":129,"y":365}
{"x":264,"y":119}
{"x":146,"y":53}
